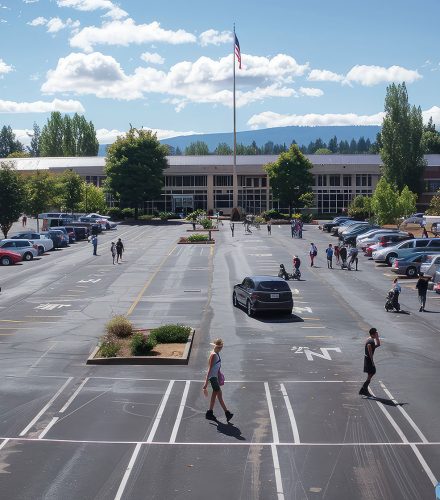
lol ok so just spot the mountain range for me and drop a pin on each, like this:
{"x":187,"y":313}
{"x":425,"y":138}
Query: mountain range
{"x":277,"y":135}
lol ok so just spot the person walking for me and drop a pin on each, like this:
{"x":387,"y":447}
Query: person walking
{"x":24,"y":220}
{"x":216,"y":378}
{"x":329,"y":253}
{"x":119,"y":250}
{"x":336,"y":252}
{"x":113,"y":251}
{"x":313,"y":252}
{"x":343,"y":255}
{"x":397,"y":289}
{"x":95,"y":244}
{"x":300,"y":229}
{"x":354,"y":260}
{"x":371,"y":344}
{"x":292,"y":227}
{"x":269,"y":227}
{"x":422,"y":288}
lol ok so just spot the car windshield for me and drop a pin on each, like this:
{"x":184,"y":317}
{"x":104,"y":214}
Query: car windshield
{"x":273,"y":286}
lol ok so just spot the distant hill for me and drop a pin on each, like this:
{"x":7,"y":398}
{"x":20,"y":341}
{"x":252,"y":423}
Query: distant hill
{"x":278,"y":135}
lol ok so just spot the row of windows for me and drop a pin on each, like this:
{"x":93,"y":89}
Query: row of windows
{"x":335,"y":180}
{"x":432,"y":186}
{"x":97,"y":180}
{"x":185,"y":180}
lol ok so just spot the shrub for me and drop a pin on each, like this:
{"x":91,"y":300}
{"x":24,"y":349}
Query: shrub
{"x":119,"y":326}
{"x":169,"y":334}
{"x":194,"y":216}
{"x":307,"y":218}
{"x":146,"y":217}
{"x":140,"y":345}
{"x":167,"y":215}
{"x":198,"y":237}
{"x":259,"y":220}
{"x":109,"y":347}
{"x":273,"y":214}
{"x":115,"y":213}
{"x":128,"y":213}
{"x":206,"y":223}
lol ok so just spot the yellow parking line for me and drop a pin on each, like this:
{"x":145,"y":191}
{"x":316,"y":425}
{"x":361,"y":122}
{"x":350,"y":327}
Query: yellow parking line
{"x":12,"y":321}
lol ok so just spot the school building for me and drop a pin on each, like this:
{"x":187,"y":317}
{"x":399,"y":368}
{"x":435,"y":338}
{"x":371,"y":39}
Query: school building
{"x":206,"y":182}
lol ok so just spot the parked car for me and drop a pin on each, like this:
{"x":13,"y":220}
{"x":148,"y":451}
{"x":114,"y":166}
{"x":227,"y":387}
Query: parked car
{"x":430,"y":265}
{"x":58,"y":237}
{"x":386,"y":240}
{"x":435,"y":283}
{"x":435,"y":229}
{"x":376,"y":238}
{"x":343,"y":225}
{"x":44,"y":244}
{"x":374,"y":232}
{"x":350,"y":227}
{"x":70,"y":233}
{"x":8,"y":258}
{"x":414,"y":218}
{"x":409,"y":266}
{"x":95,"y":228}
{"x":263,"y":293}
{"x":81,"y":232}
{"x":97,"y":216}
{"x":25,"y":248}
{"x":349,"y":237}
{"x":405,"y":248}
{"x":328,"y":226}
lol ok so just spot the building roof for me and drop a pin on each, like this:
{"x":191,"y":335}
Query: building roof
{"x":46,"y":163}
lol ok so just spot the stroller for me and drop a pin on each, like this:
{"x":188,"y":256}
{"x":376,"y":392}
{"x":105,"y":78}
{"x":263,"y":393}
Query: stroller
{"x":392,"y":301}
{"x":282,"y":273}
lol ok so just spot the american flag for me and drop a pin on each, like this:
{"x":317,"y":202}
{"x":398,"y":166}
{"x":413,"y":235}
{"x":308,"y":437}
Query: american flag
{"x":237,"y":51}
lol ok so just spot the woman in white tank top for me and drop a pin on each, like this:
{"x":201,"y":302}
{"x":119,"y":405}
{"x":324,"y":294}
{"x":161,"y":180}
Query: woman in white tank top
{"x":215,"y":377}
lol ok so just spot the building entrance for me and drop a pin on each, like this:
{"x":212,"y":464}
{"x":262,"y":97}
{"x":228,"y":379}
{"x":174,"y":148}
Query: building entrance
{"x":183,"y":203}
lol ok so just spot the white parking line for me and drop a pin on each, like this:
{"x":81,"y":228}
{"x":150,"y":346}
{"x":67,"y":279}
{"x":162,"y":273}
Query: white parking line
{"x":291,"y":415}
{"x":180,"y":413}
{"x":49,"y":426}
{"x":160,"y":412}
{"x":52,"y":399}
{"x":124,"y":481}
{"x":276,"y":466}
{"x":64,"y":408}
{"x":273,"y":422}
{"x":424,"y":465}
{"x":5,"y":442}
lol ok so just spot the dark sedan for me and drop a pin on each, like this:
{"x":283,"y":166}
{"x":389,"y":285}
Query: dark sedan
{"x":409,"y":266}
{"x":263,"y":293}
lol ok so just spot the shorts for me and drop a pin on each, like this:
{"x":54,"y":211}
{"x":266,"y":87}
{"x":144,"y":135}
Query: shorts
{"x":214,"y":384}
{"x":369,"y":367}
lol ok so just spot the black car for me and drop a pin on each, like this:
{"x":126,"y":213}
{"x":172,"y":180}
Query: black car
{"x":70,"y":233}
{"x":81,"y":232}
{"x":263,"y":293}
{"x":328,"y":226}
{"x":58,"y":237}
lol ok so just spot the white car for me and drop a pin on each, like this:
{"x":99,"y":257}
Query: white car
{"x":430,"y":265}
{"x":97,"y":216}
{"x":44,"y":244}
{"x":25,"y":248}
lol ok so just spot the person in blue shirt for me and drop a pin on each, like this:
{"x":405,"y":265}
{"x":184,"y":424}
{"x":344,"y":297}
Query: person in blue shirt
{"x":329,"y":253}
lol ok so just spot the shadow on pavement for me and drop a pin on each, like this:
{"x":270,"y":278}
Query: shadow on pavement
{"x":229,"y":430}
{"x":271,"y":318}
{"x":387,"y":402}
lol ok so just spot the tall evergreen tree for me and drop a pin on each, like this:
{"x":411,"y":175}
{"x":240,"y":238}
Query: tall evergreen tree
{"x":223,"y":149}
{"x":353,"y":147}
{"x":401,"y":136}
{"x":8,"y":142}
{"x":333,"y":144}
{"x":34,"y":148}
{"x":51,"y":141}
{"x":69,"y":146}
{"x":198,"y":148}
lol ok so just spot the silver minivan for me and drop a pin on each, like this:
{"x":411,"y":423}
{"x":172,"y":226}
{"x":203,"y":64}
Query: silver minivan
{"x":430,"y":265}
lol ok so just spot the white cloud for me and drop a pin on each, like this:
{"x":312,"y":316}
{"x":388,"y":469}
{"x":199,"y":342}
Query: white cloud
{"x":69,"y":106}
{"x":106,"y":136}
{"x":152,"y":57}
{"x":373,"y":75}
{"x":5,"y":68}
{"x":323,"y":75}
{"x":127,"y":32}
{"x":434,"y":112}
{"x":55,"y":24}
{"x":270,"y":119}
{"x":38,"y":21}
{"x":30,"y":1}
{"x":203,"y":81}
{"x":311,"y":92}
{"x":113,"y":11}
{"x":214,"y":37}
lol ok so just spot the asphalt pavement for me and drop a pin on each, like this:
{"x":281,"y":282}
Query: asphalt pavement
{"x":300,"y":429}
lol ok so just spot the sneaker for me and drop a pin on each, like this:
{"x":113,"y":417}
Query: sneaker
{"x":210,"y":415}
{"x":364,"y":392}
{"x":228,"y":415}
{"x":421,"y":309}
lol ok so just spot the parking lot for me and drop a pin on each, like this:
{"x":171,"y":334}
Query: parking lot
{"x":300,"y":428}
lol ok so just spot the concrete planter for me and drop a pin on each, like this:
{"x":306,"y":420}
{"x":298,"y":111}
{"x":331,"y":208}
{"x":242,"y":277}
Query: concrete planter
{"x":200,"y":230}
{"x":144,"y":360}
{"x":184,"y":241}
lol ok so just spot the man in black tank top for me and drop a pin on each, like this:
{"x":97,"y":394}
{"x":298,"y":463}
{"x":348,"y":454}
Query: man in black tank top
{"x":372,"y":342}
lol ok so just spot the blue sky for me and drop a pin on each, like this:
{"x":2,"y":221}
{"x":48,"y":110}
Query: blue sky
{"x":168,"y":65}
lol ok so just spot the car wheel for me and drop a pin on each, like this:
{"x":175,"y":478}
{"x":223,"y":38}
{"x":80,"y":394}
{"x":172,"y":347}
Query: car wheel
{"x":249,"y":310}
{"x":388,"y":257}
{"x":28,"y":256}
{"x":234,"y":300}
{"x":40,"y":250}
{"x":6,"y":261}
{"x":411,"y":272}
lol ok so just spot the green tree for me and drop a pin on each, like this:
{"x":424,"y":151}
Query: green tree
{"x":134,"y":167}
{"x":223,"y":149}
{"x":51,"y":140}
{"x":70,"y":190}
{"x":19,"y":154}
{"x":40,"y":193}
{"x":8,"y":142}
{"x":198,"y":148}
{"x":360,"y":207}
{"x":93,"y":199}
{"x":84,"y":135}
{"x":401,"y":137}
{"x":290,"y":176}
{"x":34,"y":148}
{"x":11,"y":196}
{"x":307,"y":199}
{"x":434,"y":205}
{"x":385,"y":202}
{"x":431,"y":142}
{"x":333,"y":144}
{"x":406,"y":202}
{"x":323,"y":151}
{"x":69,"y":143}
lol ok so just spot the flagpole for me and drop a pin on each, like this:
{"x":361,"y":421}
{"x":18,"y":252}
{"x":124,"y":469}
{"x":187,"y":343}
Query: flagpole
{"x":234,"y":170}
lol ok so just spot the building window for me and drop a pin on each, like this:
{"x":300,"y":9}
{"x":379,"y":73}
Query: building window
{"x":322,"y":180}
{"x":363,"y":180}
{"x":347,"y":180}
{"x":432,"y":186}
{"x":185,"y":180}
{"x":222,"y":180}
{"x":335,"y":180}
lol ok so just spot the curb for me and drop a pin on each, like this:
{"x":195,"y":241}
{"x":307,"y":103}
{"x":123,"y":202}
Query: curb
{"x":144,"y":360}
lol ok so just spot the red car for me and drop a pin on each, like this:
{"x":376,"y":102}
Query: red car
{"x":7,"y":257}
